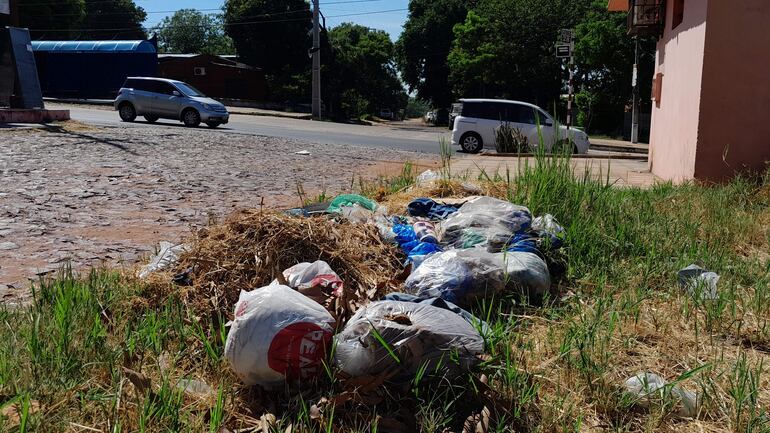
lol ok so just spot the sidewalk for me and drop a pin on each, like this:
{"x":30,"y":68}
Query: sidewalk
{"x":618,"y":145}
{"x":622,"y":172}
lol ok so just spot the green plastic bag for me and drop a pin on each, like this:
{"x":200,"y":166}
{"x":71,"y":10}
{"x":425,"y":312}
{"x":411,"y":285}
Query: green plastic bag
{"x":349,"y":200}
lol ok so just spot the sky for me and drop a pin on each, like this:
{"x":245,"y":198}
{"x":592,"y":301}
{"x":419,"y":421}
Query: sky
{"x":388,"y":15}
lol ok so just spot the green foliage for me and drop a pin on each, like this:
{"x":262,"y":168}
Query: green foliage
{"x":362,"y":78}
{"x":189,"y":31}
{"x":416,"y":108}
{"x":504,"y":48}
{"x":101,"y":18}
{"x":422,"y":48}
{"x":82,"y":19}
{"x":605,"y":56}
{"x":271,"y":34}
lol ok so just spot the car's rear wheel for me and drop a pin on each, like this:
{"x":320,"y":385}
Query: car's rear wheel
{"x":191,"y":118}
{"x":471,"y":142}
{"x":151,"y":119}
{"x":127,"y":112}
{"x":213,"y":125}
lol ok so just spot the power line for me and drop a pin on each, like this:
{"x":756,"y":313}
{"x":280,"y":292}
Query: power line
{"x":225,"y":24}
{"x":336,"y":2}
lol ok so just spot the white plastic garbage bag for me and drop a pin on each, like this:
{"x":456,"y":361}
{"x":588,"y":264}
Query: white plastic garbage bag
{"x":484,"y":221}
{"x":699,"y":283}
{"x":460,"y":276}
{"x":168,"y":255}
{"x":316,"y":280}
{"x":278,"y":334}
{"x":416,"y":334}
{"x":647,"y":386}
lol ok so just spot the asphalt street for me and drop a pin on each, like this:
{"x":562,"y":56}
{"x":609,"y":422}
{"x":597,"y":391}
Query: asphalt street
{"x":406,"y":136}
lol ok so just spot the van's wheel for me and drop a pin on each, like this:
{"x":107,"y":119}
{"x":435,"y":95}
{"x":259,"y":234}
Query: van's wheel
{"x":213,"y":125}
{"x":127,"y":112}
{"x":191,"y":118}
{"x":151,"y":119}
{"x":471,"y":142}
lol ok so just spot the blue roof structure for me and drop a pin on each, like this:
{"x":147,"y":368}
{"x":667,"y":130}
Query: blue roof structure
{"x":94,"y":46}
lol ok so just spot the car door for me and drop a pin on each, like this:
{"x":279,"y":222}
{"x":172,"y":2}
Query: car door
{"x":165,"y":103}
{"x":548,"y":128}
{"x":142,"y":93}
{"x":490,"y":118}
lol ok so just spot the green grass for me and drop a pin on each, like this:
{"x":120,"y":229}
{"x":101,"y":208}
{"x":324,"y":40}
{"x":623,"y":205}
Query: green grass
{"x":554,"y":366}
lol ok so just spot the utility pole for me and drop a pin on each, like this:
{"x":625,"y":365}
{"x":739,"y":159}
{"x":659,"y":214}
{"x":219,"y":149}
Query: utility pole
{"x":571,"y":90}
{"x":316,"y":62}
{"x":635,"y":103}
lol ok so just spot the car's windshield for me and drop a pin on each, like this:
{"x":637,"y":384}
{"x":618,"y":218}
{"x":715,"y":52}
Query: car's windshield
{"x":188,"y":90}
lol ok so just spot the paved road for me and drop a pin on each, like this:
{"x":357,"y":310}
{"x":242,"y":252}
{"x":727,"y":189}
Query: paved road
{"x":406,"y":136}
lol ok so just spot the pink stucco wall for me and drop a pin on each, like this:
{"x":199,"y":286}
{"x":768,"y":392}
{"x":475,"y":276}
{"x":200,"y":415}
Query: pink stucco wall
{"x":675,"y":120}
{"x":734,"y":131}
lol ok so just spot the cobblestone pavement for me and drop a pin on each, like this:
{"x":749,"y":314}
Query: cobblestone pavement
{"x":88,"y":196}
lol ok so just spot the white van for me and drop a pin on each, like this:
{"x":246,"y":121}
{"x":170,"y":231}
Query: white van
{"x":474,"y":129}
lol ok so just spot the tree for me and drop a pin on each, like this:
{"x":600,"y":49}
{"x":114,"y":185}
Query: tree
{"x":505,"y":49}
{"x":271,"y":34}
{"x":51,"y":20}
{"x":82,"y":19}
{"x":422,"y":48}
{"x":605,"y":55}
{"x":363,"y":78}
{"x":190,"y":31}
{"x":116,"y":19}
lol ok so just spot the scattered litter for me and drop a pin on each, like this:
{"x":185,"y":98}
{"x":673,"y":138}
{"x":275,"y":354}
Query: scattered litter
{"x":278,"y":334}
{"x":397,"y":339}
{"x":168,"y":255}
{"x":315,"y":280}
{"x":427,"y":176}
{"x":356,"y":213}
{"x":308,"y":211}
{"x":460,"y":276}
{"x":303,"y":153}
{"x":699,"y":283}
{"x":425,"y":232}
{"x":195,"y":387}
{"x":546,"y":227}
{"x":647,"y":387}
{"x":485,"y":221}
{"x":428,"y":208}
{"x":347,"y":200}
{"x":440,"y":303}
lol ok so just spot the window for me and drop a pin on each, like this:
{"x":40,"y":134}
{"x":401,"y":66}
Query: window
{"x":143,"y":85}
{"x":189,"y":90}
{"x":472,"y":109}
{"x":163,"y":88}
{"x":199,"y":72}
{"x":678,"y":14}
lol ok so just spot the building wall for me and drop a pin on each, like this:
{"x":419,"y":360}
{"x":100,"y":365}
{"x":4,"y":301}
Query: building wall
{"x":675,"y":118}
{"x":735,"y":102}
{"x":220,"y":81}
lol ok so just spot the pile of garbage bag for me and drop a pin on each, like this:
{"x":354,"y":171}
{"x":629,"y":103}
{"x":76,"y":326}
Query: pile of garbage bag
{"x":455,"y":252}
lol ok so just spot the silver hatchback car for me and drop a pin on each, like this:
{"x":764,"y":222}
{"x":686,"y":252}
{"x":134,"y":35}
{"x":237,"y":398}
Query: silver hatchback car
{"x":160,"y":98}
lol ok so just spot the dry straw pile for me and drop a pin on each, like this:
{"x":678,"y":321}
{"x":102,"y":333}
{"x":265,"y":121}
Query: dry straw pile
{"x":251,"y":248}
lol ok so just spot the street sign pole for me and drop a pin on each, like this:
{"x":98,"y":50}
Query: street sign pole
{"x":635,"y":103}
{"x":565,"y":48}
